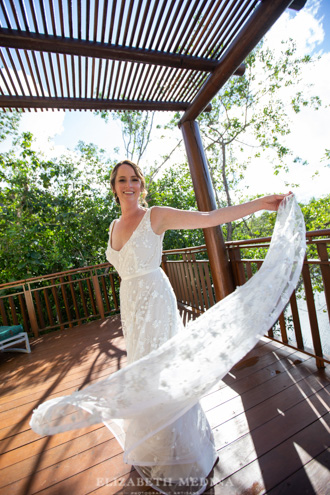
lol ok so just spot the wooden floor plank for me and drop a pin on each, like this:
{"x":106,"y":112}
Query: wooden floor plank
{"x":273,"y":403}
{"x":316,"y":471}
{"x":33,"y":444}
{"x":268,"y":470}
{"x":248,"y":457}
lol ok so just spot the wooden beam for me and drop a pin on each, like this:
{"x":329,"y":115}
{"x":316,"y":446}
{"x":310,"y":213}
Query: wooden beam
{"x":262,"y":19}
{"x":297,"y":4}
{"x":90,"y":104}
{"x":56,"y":44}
{"x":220,"y":268}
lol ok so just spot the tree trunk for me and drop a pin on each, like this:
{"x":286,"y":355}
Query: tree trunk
{"x":226,"y":186}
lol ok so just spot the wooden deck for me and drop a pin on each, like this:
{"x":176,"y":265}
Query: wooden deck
{"x":270,"y":418}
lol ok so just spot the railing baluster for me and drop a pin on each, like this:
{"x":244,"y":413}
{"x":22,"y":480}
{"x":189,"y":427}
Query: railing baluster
{"x":176,"y":279}
{"x":83,"y":299}
{"x":325,"y":270}
{"x":205,"y":299}
{"x":185,"y":280}
{"x":209,"y":284}
{"x":13,"y":310}
{"x":57,"y":303}
{"x":283,"y":328}
{"x":31,"y":311}
{"x":238,"y":268}
{"x":98,"y":295}
{"x":296,"y":321}
{"x":66,"y":303}
{"x":249,"y":270}
{"x":23,"y":312}
{"x":74,"y":299}
{"x":191,"y":284}
{"x":3,"y":313}
{"x":312,"y":315}
{"x":114,"y":295}
{"x":48,"y":306}
{"x":91,"y":296}
{"x":39,"y":308}
{"x":105,"y":293}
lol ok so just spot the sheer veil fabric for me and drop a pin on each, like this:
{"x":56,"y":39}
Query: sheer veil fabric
{"x":154,"y":392}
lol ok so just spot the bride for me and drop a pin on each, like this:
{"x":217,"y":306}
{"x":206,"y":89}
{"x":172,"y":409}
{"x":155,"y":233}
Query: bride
{"x":152,"y":405}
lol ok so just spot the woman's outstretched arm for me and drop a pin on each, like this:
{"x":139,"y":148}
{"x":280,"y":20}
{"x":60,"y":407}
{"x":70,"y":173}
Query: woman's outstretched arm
{"x":165,"y":218}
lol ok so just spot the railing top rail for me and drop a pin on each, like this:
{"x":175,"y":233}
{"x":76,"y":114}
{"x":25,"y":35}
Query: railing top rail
{"x":245,"y":242}
{"x":318,"y":233}
{"x":53,"y":275}
{"x":194,"y":249}
{"x":188,"y":250}
{"x":310,"y":235}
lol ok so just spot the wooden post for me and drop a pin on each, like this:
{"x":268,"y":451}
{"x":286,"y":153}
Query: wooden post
{"x":312,"y":315}
{"x":325,"y":270}
{"x":98,"y":295}
{"x":31,"y":311}
{"x":221,"y":272}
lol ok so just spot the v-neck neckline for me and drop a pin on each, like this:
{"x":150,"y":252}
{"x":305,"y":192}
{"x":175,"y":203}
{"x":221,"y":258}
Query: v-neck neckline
{"x":136,"y":228}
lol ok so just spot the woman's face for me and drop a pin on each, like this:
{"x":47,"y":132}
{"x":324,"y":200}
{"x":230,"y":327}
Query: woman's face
{"x":127,"y":184}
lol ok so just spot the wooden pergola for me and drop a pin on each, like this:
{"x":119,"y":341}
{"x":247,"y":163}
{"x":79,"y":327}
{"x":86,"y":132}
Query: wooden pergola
{"x":172,"y":55}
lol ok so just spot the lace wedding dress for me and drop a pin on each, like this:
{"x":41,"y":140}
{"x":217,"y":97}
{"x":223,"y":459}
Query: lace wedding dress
{"x":152,"y":404}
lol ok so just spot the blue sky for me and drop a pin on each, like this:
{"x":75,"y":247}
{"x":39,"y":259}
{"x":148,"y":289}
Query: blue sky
{"x":325,"y":13}
{"x":55,"y":132}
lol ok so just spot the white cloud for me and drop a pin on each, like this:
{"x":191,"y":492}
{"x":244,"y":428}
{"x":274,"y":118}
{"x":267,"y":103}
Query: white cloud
{"x":44,"y":125}
{"x":305,"y":27}
{"x":309,"y":135}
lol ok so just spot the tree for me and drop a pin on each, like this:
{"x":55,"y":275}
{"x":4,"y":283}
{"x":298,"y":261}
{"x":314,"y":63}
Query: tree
{"x":54,"y":214}
{"x":9,"y":122}
{"x":249,"y":119}
{"x":136,"y":127}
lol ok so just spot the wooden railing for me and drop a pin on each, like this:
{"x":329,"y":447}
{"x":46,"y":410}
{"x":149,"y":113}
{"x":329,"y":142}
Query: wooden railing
{"x":60,"y":300}
{"x":72,"y":297}
{"x":191,"y":279}
{"x":189,"y":272}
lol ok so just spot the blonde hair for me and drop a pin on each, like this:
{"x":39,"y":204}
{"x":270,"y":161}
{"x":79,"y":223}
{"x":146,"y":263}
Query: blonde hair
{"x":138,"y":173}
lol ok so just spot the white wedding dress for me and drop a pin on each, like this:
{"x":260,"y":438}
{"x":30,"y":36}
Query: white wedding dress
{"x":152,"y":404}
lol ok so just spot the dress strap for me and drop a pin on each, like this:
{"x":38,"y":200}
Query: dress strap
{"x":110,"y":230}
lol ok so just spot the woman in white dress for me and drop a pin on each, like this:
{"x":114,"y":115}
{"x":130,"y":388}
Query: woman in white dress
{"x":182,"y":454}
{"x":152,"y":404}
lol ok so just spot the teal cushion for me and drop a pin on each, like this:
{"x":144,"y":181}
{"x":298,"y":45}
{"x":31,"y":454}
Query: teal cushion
{"x":7,"y":332}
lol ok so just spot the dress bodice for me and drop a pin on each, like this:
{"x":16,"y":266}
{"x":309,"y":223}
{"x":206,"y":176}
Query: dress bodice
{"x":142,"y":252}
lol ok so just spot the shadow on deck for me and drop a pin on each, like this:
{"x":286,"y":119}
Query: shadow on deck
{"x":270,"y":417}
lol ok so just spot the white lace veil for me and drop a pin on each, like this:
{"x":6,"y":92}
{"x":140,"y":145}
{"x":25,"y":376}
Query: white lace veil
{"x":160,"y":387}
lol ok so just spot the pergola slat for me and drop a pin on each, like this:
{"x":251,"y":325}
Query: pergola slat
{"x":90,"y":104}
{"x":62,"y":18}
{"x":31,"y":72}
{"x":261,"y":20}
{"x":57,"y":44}
{"x":23,"y":71}
{"x":189,"y":29}
{"x":167,"y":51}
{"x":209,"y":18}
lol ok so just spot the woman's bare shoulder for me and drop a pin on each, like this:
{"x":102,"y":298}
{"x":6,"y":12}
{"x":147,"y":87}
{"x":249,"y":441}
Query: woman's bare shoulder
{"x":158,"y":215}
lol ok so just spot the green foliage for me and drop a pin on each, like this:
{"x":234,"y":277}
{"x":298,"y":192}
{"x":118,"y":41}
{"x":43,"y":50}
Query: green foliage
{"x":9,"y":122}
{"x":175,"y":189}
{"x":54,"y":215}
